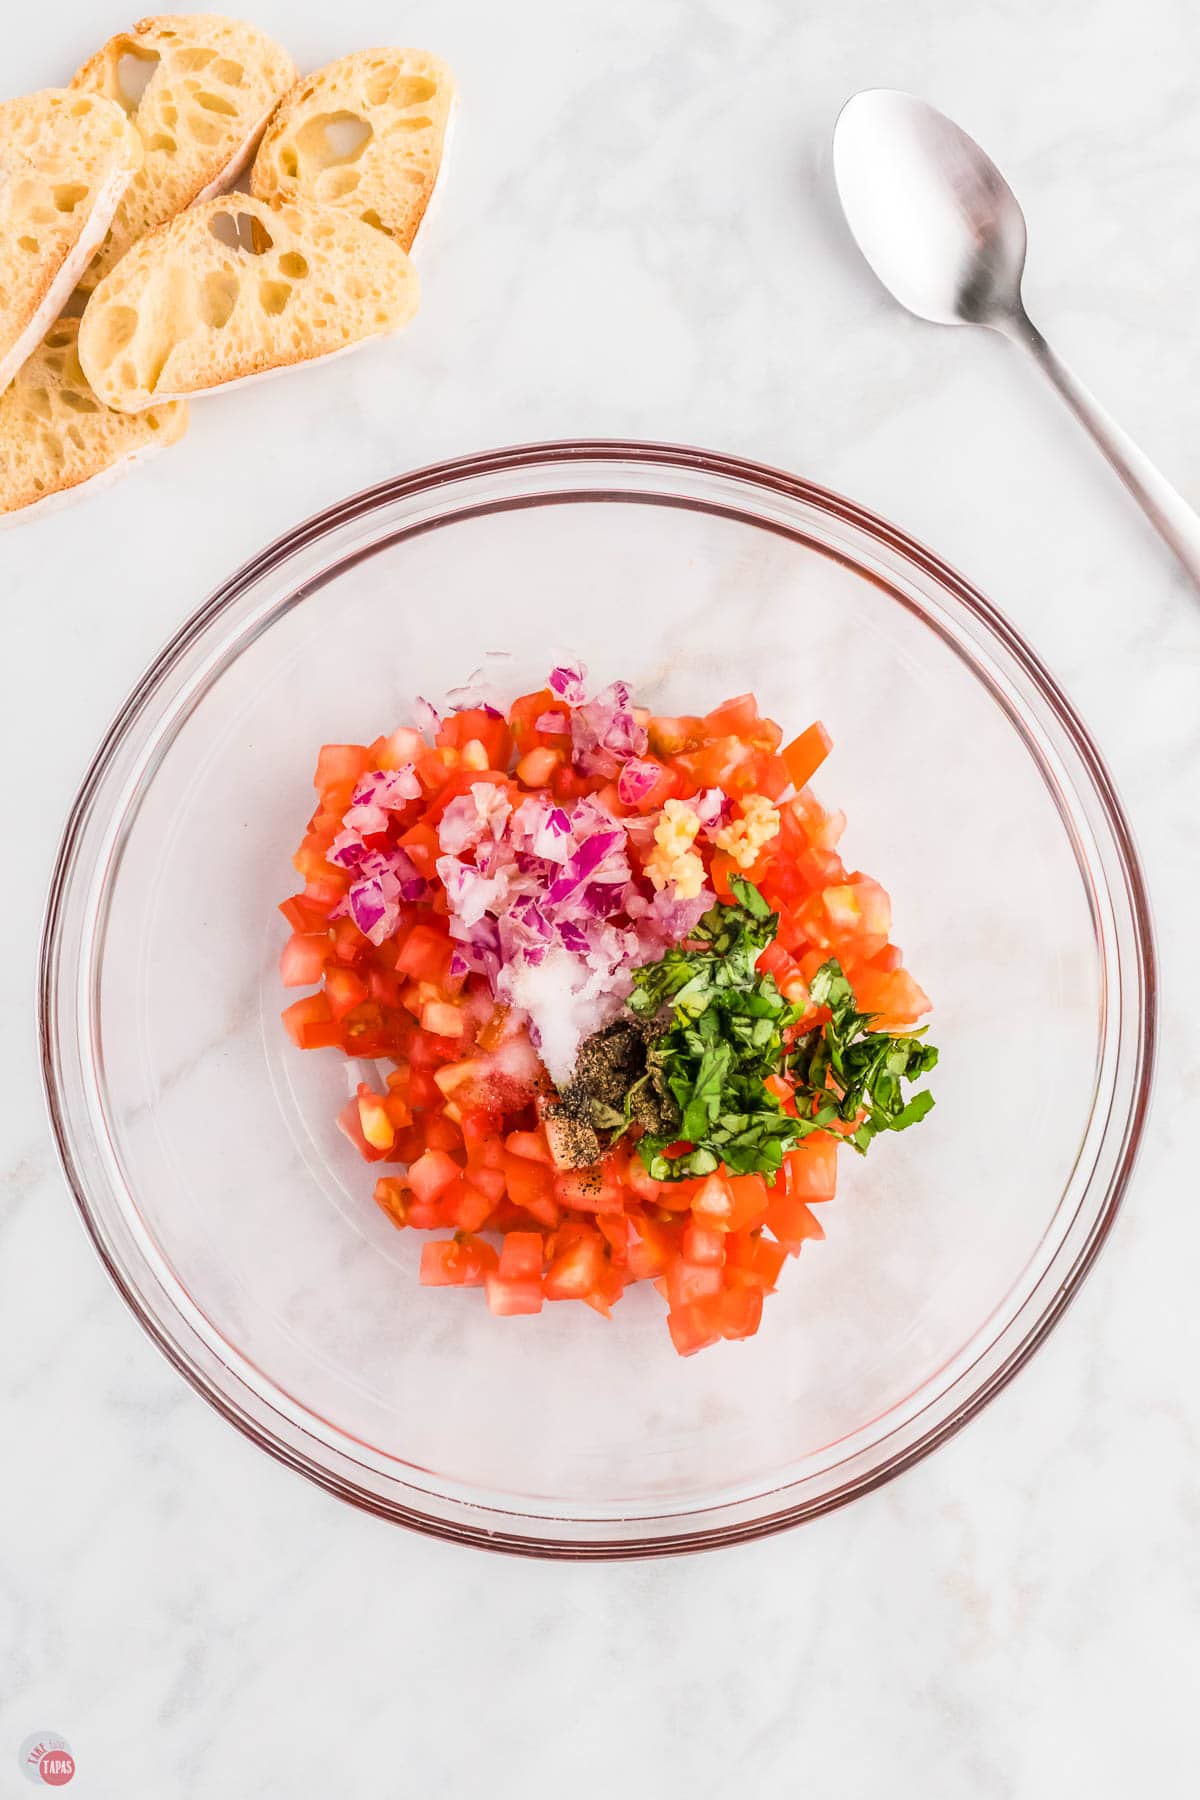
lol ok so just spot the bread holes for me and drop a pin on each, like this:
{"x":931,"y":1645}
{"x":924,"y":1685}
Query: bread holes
{"x":68,"y":194}
{"x":331,"y":140}
{"x":192,"y":61}
{"x":37,"y":401}
{"x":74,"y":435}
{"x":229,"y":73}
{"x":79,"y":403}
{"x":204,"y":130}
{"x":217,"y":298}
{"x":289,"y":162}
{"x":27,"y":243}
{"x":114,"y":329}
{"x":412,"y":90}
{"x":422,"y":122}
{"x":217,"y":103}
{"x":241,"y":231}
{"x":293,"y":265}
{"x":273,"y":296}
{"x":335,"y":184}
{"x":132,"y":74}
{"x":371,"y":217}
{"x":161,"y":140}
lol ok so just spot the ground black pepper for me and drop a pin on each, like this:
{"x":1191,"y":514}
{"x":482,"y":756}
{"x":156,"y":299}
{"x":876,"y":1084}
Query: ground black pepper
{"x":612,"y":1087}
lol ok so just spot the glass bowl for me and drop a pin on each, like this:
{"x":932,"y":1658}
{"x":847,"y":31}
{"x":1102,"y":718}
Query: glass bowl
{"x":239,"y":1225}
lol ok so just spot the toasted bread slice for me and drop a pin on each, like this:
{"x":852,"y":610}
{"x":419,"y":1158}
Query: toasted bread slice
{"x":208,"y":86}
{"x":234,"y":288}
{"x":55,"y":436}
{"x":65,"y":161}
{"x":368,"y":135}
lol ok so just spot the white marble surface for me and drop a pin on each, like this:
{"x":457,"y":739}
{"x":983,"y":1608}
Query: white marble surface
{"x":639,"y":239}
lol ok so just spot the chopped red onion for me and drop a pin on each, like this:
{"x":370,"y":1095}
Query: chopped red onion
{"x":388,"y":788}
{"x":567,"y":682}
{"x":636,"y":780}
{"x":428,"y":718}
{"x":554,"y":724}
{"x":712,"y":807}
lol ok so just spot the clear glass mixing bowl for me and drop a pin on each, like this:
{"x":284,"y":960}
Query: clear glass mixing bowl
{"x":239,"y":1225}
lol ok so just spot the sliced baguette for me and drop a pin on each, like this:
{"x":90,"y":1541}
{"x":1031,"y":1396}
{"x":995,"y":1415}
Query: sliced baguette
{"x":65,"y":161}
{"x":56,"y":438}
{"x":213,"y":83}
{"x":233,"y":289}
{"x":368,"y":135}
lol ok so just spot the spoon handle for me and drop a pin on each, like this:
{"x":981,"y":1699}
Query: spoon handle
{"x":1164,"y":506}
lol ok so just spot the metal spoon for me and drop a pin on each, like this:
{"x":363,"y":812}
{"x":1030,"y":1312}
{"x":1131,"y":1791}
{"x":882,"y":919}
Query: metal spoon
{"x":944,"y":232}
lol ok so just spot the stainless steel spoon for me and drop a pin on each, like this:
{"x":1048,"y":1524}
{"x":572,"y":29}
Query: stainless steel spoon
{"x":944,"y":232}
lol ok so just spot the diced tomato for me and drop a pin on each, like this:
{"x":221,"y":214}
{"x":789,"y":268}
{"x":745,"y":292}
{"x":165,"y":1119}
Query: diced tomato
{"x":692,"y":1328}
{"x":811,"y":1168}
{"x":301,"y":1015}
{"x":506,"y":1296}
{"x":738,"y":1311}
{"x":465,"y":1205}
{"x":392,"y":1197}
{"x":733,"y":718}
{"x":442,"y":1019}
{"x":349,"y":1123}
{"x":340,"y":763}
{"x":531,"y":1145}
{"x":460,"y":1261}
{"x":303,"y":958}
{"x":752,"y":1260}
{"x":523,"y":715}
{"x":432,"y":1174}
{"x":688,"y":1281}
{"x":521,"y":1255}
{"x":442,"y":1133}
{"x":789,"y":1220}
{"x":473,"y":724}
{"x":651,"y":1247}
{"x":589,"y":1190}
{"x":344,"y":990}
{"x":669,"y":737}
{"x":426,"y":954}
{"x":302,"y":914}
{"x":577,"y":1270}
{"x":374,"y":1119}
{"x":538,"y":766}
{"x":805,"y":754}
{"x":701,"y":1244}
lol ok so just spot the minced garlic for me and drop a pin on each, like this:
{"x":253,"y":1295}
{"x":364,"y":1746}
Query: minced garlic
{"x":672,"y":859}
{"x":743,"y":838}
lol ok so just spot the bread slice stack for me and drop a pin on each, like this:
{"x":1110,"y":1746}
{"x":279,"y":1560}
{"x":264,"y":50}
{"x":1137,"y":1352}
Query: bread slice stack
{"x":116,"y":188}
{"x":368,"y":135}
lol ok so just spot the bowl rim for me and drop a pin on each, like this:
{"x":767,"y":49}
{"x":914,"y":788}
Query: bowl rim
{"x":677,"y":458}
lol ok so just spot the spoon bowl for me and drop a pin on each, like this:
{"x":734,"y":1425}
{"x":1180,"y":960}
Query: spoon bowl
{"x":930,"y":211}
